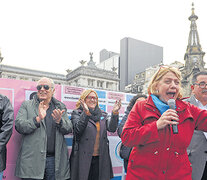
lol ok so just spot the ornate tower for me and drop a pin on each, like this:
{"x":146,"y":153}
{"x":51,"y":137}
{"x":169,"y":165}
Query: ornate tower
{"x":194,"y":54}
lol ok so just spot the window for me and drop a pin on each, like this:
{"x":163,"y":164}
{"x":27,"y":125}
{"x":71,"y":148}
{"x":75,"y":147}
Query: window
{"x":23,"y":78}
{"x":100,"y":84}
{"x":90,"y":82}
{"x":108,"y":85}
{"x":11,"y":77}
{"x":76,"y":82}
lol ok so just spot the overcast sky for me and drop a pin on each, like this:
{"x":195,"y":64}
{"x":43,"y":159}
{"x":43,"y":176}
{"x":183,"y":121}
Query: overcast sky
{"x":54,"y":35}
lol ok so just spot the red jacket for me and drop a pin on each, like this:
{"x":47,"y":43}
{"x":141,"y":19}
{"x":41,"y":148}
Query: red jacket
{"x":159,"y":155}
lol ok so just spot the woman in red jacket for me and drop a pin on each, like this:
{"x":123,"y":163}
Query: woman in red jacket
{"x":158,"y":153}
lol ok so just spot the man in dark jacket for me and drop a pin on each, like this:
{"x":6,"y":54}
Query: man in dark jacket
{"x":6,"y":124}
{"x":197,"y":150}
{"x":43,"y":122}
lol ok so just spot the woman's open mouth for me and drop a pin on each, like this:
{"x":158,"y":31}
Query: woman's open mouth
{"x":171,"y":94}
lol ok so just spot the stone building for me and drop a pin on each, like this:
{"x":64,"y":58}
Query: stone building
{"x":92,"y":77}
{"x":85,"y":76}
{"x":12,"y":72}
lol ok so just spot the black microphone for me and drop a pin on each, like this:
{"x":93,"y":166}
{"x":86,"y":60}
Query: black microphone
{"x":171,"y":103}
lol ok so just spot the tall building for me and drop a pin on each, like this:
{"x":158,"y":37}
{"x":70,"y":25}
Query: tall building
{"x":194,"y":55}
{"x":110,"y":64}
{"x":104,"y":54}
{"x":135,"y":57}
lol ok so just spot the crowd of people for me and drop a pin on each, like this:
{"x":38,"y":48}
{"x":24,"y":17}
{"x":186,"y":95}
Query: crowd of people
{"x":163,"y":134}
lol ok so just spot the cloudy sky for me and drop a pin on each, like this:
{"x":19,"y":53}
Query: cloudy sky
{"x":54,"y":35}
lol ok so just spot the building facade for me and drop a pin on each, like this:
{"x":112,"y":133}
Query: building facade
{"x":91,"y":76}
{"x":85,"y":76}
{"x":135,"y":57}
{"x":12,"y":72}
{"x":104,"y":55}
{"x":110,"y":64}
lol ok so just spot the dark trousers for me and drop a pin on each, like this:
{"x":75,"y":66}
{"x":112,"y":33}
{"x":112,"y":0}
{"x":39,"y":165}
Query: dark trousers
{"x":94,"y":169}
{"x":49,"y":170}
{"x":125,"y":164}
{"x":204,"y":177}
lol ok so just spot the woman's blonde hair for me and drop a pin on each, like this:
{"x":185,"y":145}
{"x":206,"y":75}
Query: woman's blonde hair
{"x":158,"y":76}
{"x":83,"y":96}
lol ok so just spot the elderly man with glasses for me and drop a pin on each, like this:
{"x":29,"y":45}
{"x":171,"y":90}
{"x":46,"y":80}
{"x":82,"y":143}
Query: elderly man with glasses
{"x":43,"y":122}
{"x":197,"y":151}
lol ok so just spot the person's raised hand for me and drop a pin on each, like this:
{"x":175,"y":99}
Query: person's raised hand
{"x":117,"y":106}
{"x":57,"y":115}
{"x":42,"y":108}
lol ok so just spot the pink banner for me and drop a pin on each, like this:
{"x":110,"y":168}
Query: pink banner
{"x":19,"y":90}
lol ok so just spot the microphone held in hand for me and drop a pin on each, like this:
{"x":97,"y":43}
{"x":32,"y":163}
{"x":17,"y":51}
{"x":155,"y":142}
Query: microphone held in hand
{"x":171,"y":104}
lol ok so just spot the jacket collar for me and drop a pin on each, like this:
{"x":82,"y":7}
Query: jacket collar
{"x":151,"y":106}
{"x":53,"y":100}
{"x":180,"y":105}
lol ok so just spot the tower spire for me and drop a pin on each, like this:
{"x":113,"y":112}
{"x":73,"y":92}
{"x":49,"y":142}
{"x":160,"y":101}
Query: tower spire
{"x":194,"y":54}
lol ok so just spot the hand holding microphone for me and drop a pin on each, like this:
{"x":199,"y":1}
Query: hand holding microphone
{"x":169,"y":117}
{"x":171,"y":104}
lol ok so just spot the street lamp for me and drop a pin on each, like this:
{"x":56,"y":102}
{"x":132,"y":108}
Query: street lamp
{"x":1,"y":59}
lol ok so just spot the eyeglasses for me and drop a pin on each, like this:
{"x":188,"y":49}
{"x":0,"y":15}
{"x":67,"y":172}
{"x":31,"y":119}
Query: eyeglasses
{"x":201,"y":84}
{"x":46,"y":87}
{"x":92,"y":97}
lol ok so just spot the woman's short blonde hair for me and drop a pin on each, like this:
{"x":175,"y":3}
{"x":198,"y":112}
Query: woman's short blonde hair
{"x":158,"y":76}
{"x":83,"y":96}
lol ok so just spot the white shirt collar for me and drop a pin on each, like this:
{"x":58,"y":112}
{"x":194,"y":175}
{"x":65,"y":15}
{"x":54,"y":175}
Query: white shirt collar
{"x":200,"y":105}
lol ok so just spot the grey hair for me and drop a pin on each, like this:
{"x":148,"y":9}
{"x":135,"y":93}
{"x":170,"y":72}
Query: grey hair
{"x":195,"y":76}
{"x":51,"y":81}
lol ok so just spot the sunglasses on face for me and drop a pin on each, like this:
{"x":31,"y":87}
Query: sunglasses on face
{"x":46,"y":87}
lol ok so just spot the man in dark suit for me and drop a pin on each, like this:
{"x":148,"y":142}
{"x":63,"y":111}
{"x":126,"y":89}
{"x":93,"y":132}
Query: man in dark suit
{"x":197,"y":150}
{"x":6,"y":124}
